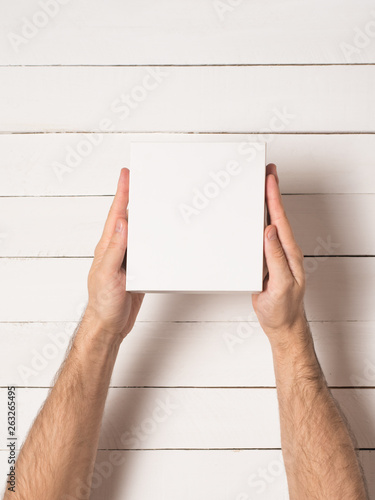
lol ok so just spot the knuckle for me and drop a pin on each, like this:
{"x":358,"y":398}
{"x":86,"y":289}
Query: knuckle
{"x":98,"y":248}
{"x":280,"y":215}
{"x":284,"y":288}
{"x":288,"y":285}
{"x":302,"y":283}
{"x":101,"y":275}
{"x":97,"y":276}
{"x":92,"y":271}
{"x":123,"y":220}
{"x":279,"y":252}
{"x":112,"y":245}
{"x":299,"y":254}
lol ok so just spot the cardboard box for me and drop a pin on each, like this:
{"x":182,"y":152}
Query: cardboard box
{"x":196,"y":217}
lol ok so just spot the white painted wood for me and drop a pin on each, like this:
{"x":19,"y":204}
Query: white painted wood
{"x":367,"y":460}
{"x":159,"y":352}
{"x":42,"y":164}
{"x":233,"y":475}
{"x":178,"y":32}
{"x":30,"y":284}
{"x":218,"y":354}
{"x":185,"y":99}
{"x":63,"y":226}
{"x":71,"y":226}
{"x":338,"y":289}
{"x":149,"y":418}
{"x":332,"y":224}
{"x":179,"y":474}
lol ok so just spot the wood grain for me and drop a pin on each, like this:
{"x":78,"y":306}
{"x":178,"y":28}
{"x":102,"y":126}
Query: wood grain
{"x":188,"y":99}
{"x":153,"y":418}
{"x":71,"y":226}
{"x":171,"y":32}
{"x":338,"y":289}
{"x":209,"y":354}
{"x":173,"y":71}
{"x":49,"y":164}
{"x":179,"y":474}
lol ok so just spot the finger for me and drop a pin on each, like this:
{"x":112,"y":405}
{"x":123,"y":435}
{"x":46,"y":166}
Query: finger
{"x":118,"y":210}
{"x":277,"y":263}
{"x":277,"y":214}
{"x":271,"y":169}
{"x":278,"y":218}
{"x":114,"y":255}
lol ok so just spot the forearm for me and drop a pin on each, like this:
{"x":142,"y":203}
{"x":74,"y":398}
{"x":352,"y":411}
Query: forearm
{"x":58,"y":455}
{"x":319,"y":454}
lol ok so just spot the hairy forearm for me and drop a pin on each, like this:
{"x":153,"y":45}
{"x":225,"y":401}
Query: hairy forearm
{"x":319,"y":454}
{"x":57,"y":458}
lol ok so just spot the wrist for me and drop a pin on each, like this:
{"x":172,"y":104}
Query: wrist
{"x":295,"y":359}
{"x":295,"y":336}
{"x":91,"y":359}
{"x":94,"y":339}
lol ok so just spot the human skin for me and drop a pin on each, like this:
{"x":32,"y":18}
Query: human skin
{"x":318,"y":451}
{"x":57,"y":459}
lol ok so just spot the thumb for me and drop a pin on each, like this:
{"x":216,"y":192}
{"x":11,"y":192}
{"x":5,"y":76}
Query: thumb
{"x":114,"y":255}
{"x":275,"y":257}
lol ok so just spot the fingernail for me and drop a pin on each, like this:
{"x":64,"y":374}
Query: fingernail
{"x":272,"y":233}
{"x":118,"y":226}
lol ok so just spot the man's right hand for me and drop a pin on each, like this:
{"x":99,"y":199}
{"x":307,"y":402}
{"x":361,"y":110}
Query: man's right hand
{"x":280,"y":307}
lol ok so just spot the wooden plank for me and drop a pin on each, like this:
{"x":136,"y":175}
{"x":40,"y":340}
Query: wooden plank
{"x":50,"y":164}
{"x":178,"y":33}
{"x":171,"y":474}
{"x":71,"y":226}
{"x":149,"y":418}
{"x":338,"y":289}
{"x":52,"y":227}
{"x":332,"y":224}
{"x":185,"y":99}
{"x":218,"y":354}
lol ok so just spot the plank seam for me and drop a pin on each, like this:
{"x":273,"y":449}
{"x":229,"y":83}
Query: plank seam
{"x":186,"y":132}
{"x":49,"y":257}
{"x":202,"y":387}
{"x":196,"y":65}
{"x":197,"y":449}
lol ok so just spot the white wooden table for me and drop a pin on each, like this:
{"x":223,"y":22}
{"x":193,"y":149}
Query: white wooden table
{"x":78,"y":81}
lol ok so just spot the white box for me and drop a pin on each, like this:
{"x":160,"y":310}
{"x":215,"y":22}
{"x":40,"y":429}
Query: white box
{"x":196,"y":217}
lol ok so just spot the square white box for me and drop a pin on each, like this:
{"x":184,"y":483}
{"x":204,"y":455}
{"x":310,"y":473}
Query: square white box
{"x":196,"y":217}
